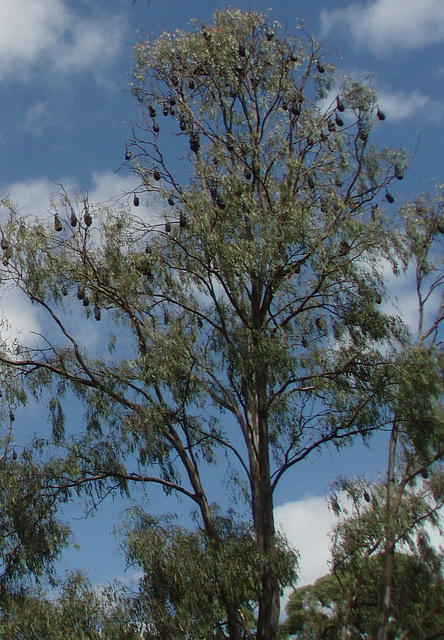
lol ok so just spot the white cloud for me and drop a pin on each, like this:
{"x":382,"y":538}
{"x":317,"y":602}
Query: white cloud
{"x":112,"y":186}
{"x":37,"y":117}
{"x":388,"y":25}
{"x":18,"y":318}
{"x":307,"y":524}
{"x":47,"y":34}
{"x":33,"y":197}
{"x":401,"y":105}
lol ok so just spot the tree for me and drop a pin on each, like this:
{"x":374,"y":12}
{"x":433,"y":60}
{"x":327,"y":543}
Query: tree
{"x":247,"y":300}
{"x":389,"y":516}
{"x":417,"y":612}
{"x":31,"y":534}
{"x":78,"y":611}
{"x":412,"y":493}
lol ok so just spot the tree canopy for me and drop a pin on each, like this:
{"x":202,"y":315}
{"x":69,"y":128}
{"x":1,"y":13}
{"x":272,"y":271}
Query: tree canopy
{"x":241,"y":309}
{"x":321,"y":610}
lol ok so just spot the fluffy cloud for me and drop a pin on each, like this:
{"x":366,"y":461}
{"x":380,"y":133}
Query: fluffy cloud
{"x":18,"y":318}
{"x":307,"y":524}
{"x":387,"y":25}
{"x":47,"y":34}
{"x":401,"y":105}
{"x":34,"y":196}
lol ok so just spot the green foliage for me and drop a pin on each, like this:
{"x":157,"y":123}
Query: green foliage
{"x":350,"y":600}
{"x":78,"y":612}
{"x":188,"y":577}
{"x":31,"y":535}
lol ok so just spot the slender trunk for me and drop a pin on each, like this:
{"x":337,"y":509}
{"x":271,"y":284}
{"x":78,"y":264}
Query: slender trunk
{"x":379,"y":632}
{"x":263,"y":520}
{"x":343,"y":633}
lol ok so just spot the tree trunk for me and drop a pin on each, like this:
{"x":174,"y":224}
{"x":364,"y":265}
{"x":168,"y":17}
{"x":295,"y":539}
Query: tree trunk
{"x":263,"y":519}
{"x":379,"y":632}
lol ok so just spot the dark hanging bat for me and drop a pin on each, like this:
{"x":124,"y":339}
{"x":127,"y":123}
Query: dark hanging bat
{"x":389,"y":197}
{"x":128,"y":154}
{"x":87,"y":218}
{"x":57,"y":223}
{"x":156,"y":128}
{"x":136,"y":201}
{"x":194,"y":143}
{"x":167,"y":227}
{"x":340,"y":105}
{"x":269,"y":35}
{"x":242,"y":51}
{"x":380,"y":114}
{"x":398,"y":173}
{"x":73,"y":218}
{"x":97,"y":313}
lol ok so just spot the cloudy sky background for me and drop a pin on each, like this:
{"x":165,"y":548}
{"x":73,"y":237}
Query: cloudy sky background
{"x":64,"y":73}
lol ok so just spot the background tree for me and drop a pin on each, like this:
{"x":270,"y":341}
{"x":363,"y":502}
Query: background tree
{"x":78,"y":611}
{"x":391,"y":514}
{"x":247,"y":300}
{"x":416,"y":612}
{"x":31,"y":534}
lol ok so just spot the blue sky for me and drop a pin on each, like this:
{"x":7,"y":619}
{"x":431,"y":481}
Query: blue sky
{"x":64,"y":74}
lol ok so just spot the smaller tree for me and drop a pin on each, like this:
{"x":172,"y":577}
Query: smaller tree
{"x":389,"y":516}
{"x":187,"y":577}
{"x":78,"y":611}
{"x":31,"y":535}
{"x":340,"y":606}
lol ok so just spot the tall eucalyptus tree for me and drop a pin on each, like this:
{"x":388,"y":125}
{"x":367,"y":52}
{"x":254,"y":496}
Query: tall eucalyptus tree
{"x":246,"y":300}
